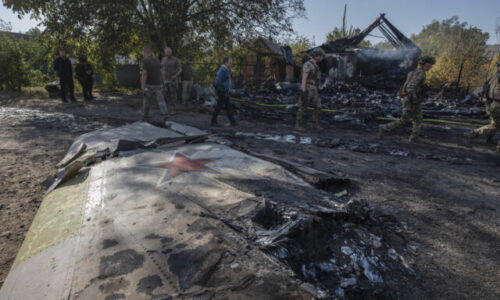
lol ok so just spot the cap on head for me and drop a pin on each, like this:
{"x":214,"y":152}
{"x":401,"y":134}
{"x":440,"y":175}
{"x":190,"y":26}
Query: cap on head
{"x":82,"y":58}
{"x":427,"y":60}
{"x":317,"y":52}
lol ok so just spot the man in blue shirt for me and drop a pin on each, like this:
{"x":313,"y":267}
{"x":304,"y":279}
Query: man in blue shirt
{"x":222,"y":84}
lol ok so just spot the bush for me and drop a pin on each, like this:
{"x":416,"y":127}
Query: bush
{"x":459,"y":49}
{"x":36,"y":78}
{"x":13,"y":74}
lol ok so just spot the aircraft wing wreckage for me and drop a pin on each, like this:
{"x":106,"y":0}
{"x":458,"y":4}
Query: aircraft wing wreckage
{"x":142,"y":212}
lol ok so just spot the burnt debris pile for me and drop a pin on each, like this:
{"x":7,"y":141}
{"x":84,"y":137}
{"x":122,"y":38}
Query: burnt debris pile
{"x":353,"y":102}
{"x":333,"y":242}
{"x":358,"y":84}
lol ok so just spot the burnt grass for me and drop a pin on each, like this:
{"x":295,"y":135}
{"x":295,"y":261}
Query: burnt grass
{"x":443,"y":193}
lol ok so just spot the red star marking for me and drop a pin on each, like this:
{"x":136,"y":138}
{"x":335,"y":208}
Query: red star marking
{"x":181,"y":164}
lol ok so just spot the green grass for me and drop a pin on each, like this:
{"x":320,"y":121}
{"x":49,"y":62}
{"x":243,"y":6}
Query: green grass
{"x":34,"y":92}
{"x":116,"y":89}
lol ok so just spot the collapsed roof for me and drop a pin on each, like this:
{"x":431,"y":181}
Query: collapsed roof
{"x":391,"y":33}
{"x":374,"y":68}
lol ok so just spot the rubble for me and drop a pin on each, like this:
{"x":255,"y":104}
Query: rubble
{"x":359,"y":84}
{"x":353,"y":103}
{"x":353,"y":145}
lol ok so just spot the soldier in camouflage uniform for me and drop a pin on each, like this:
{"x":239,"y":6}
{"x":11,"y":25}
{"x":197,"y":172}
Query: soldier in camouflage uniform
{"x":311,"y":77}
{"x":492,"y":108}
{"x":412,"y":93}
{"x":171,"y":68}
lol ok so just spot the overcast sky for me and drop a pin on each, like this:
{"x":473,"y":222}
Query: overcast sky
{"x":407,"y":15}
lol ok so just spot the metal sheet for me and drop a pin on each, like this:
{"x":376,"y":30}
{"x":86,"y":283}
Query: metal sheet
{"x":145,"y":225}
{"x":105,"y":138}
{"x":147,"y":228}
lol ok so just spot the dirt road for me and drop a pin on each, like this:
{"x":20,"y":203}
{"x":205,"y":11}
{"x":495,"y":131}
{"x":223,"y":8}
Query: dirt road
{"x":448,"y":195}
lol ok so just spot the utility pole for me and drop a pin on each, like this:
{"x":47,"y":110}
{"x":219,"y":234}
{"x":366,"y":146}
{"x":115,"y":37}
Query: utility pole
{"x":343,"y":21}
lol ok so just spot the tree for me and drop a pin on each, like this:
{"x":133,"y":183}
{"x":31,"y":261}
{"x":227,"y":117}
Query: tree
{"x":119,"y":27}
{"x":343,"y":32}
{"x":12,"y":76}
{"x":298,"y":43}
{"x":5,"y":26}
{"x":384,"y":45}
{"x":460,"y":52}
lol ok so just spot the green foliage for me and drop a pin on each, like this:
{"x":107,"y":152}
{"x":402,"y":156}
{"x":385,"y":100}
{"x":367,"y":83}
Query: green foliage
{"x":106,"y":28}
{"x":36,"y":78}
{"x":456,"y":45}
{"x":385,"y":45}
{"x":27,"y":60}
{"x":343,"y":33}
{"x":5,"y":26}
{"x":298,"y":44}
{"x":109,"y":81}
{"x":206,"y":63}
{"x":34,"y":92}
{"x":13,"y":74}
{"x":489,"y":68}
{"x":338,"y":33}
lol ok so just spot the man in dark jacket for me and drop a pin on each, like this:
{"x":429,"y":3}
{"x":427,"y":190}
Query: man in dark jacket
{"x":84,"y":74}
{"x":187,"y":79}
{"x":62,"y":66}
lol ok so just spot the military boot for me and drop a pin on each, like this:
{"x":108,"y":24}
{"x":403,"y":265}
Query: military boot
{"x":316,"y":126}
{"x":298,"y":126}
{"x":315,"y":119}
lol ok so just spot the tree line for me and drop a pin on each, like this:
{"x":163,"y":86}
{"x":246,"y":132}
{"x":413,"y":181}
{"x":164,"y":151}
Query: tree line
{"x":206,"y":30}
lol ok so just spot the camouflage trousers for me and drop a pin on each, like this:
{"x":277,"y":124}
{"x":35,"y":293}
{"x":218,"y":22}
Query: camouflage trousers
{"x":153,"y":93}
{"x":312,"y":100}
{"x":171,"y":87}
{"x":410,"y":113}
{"x":494,"y":126}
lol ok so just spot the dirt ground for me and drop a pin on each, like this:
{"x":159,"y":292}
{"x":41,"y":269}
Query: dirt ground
{"x":447,"y":194}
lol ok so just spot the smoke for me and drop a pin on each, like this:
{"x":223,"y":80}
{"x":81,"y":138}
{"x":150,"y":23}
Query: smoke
{"x":404,"y":57}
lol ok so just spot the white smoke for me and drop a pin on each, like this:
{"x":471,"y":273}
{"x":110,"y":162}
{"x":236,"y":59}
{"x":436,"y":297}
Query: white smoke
{"x":407,"y":56}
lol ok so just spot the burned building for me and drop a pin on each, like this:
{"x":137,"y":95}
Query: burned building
{"x":268,"y":63}
{"x":346,"y":61}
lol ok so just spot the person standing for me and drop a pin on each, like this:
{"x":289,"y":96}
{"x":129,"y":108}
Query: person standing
{"x":222,"y":84}
{"x":84,"y":73}
{"x":171,"y":69}
{"x":151,"y":84}
{"x":64,"y":70}
{"x":412,"y":92}
{"x":492,"y":99}
{"x":311,"y":77}
{"x":187,"y":79}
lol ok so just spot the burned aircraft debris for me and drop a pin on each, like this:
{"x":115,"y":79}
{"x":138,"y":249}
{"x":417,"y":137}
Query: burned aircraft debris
{"x":249,"y":229}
